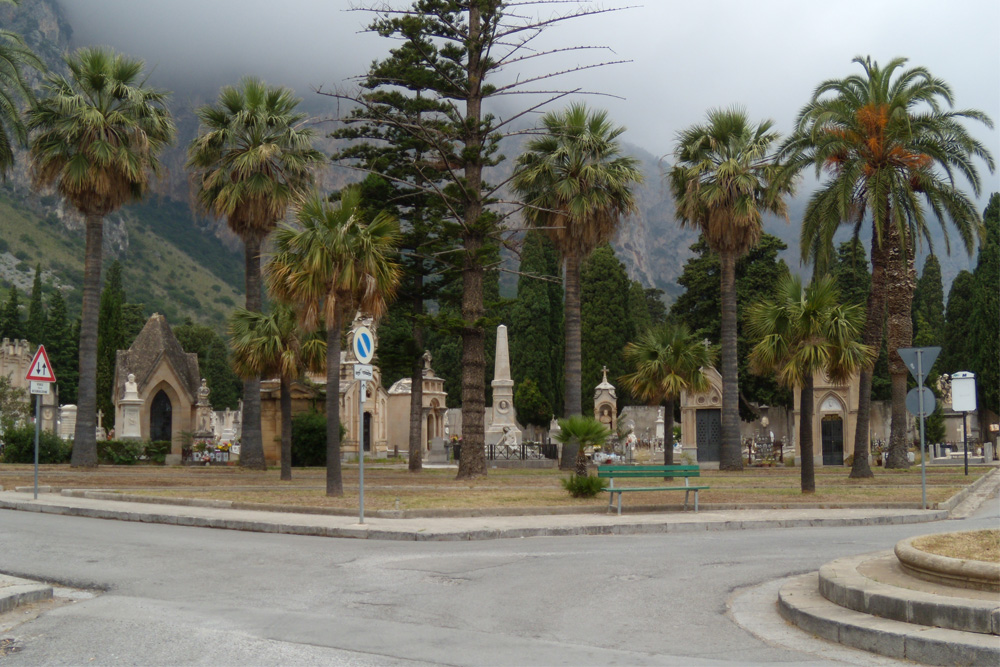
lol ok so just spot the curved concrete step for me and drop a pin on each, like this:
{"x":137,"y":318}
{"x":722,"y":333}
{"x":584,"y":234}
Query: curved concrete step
{"x":15,"y":591}
{"x":801,"y":603}
{"x":842,"y":583}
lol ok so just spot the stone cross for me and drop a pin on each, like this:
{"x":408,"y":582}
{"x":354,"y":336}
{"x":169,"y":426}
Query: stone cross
{"x":604,"y":369}
{"x":100,"y":417}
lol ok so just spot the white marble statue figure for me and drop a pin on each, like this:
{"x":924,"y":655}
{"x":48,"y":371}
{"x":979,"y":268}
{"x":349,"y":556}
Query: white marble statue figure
{"x":131,"y":388}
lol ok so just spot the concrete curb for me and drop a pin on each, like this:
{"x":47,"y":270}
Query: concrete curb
{"x":973,"y":574}
{"x":800,"y":602}
{"x":841,"y":583}
{"x":15,"y":592}
{"x":962,"y":494}
{"x":285,"y":525}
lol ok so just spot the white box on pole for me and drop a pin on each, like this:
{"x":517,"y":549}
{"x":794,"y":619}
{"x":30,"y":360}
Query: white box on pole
{"x":963,"y":391}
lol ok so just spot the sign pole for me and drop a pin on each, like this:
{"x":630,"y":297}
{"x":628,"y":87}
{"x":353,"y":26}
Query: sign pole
{"x":965,"y":433}
{"x":923,"y":454}
{"x":38,"y":422}
{"x":361,"y":452}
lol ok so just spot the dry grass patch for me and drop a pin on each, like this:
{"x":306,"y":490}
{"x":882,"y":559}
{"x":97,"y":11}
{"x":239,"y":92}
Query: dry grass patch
{"x":981,"y":545}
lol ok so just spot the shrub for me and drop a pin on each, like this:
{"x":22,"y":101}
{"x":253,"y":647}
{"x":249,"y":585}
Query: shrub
{"x":789,"y":461}
{"x":118,"y":452}
{"x":309,"y":439}
{"x":156,"y":451}
{"x":584,"y":486}
{"x":19,"y":446}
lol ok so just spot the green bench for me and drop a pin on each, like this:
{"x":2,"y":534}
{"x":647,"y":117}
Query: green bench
{"x":618,"y":472}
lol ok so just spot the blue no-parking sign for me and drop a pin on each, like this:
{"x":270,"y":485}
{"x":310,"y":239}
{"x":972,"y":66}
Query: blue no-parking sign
{"x":364,"y":344}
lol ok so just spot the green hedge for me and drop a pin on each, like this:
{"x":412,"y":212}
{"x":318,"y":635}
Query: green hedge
{"x":19,"y":446}
{"x":309,"y":439}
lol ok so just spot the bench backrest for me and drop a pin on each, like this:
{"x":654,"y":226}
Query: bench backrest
{"x":648,"y":471}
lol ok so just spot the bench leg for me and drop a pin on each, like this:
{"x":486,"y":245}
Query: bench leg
{"x":695,"y":502}
{"x":611,"y":499}
{"x":619,"y":503}
{"x":686,"y":500}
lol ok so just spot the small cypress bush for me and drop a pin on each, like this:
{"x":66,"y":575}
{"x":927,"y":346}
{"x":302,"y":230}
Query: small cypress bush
{"x":584,"y":486}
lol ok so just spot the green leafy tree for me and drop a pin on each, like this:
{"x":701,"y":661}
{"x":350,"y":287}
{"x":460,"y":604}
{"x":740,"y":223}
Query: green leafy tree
{"x":604,"y":319}
{"x":213,"y":361}
{"x":532,"y":406}
{"x":62,"y":344}
{"x":891,"y":146}
{"x":536,"y":321}
{"x":110,"y":339}
{"x":984,"y":320}
{"x":576,"y":186}
{"x":723,"y":179}
{"x":851,"y":272}
{"x":666,"y":361}
{"x":14,"y":406}
{"x":638,"y":310}
{"x":928,"y":306}
{"x":802,"y":331}
{"x":133,"y":320}
{"x":96,"y":137}
{"x":34,"y":328}
{"x":699,"y":306}
{"x":271,"y":344}
{"x":15,"y":59}
{"x":250,"y":161}
{"x":331,"y":265}
{"x":11,"y":324}
{"x":655,"y":306}
{"x":956,"y":351}
{"x":583,"y":432}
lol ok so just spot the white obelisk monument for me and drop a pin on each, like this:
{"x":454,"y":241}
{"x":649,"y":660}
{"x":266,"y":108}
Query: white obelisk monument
{"x":503,"y":427}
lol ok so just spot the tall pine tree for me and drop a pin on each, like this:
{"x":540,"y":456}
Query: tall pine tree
{"x":11,"y":325}
{"x":956,"y":353}
{"x":604,"y":321}
{"x":110,"y":339}
{"x":928,"y":306}
{"x":62,"y":344}
{"x":35,"y":326}
{"x":984,"y":320}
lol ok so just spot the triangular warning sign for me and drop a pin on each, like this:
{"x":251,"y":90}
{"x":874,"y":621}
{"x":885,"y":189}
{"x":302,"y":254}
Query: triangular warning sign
{"x":40,"y":369}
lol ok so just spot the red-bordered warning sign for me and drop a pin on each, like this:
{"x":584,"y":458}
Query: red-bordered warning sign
{"x":40,"y":369}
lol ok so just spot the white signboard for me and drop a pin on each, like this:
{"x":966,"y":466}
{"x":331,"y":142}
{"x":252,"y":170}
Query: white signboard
{"x":963,"y":392}
{"x":41,"y":388}
{"x":364,"y":372}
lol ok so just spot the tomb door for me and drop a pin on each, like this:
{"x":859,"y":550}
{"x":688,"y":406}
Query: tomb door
{"x":833,"y":440}
{"x":708,"y":424}
{"x":161,"y":418}
{"x":368,"y":431}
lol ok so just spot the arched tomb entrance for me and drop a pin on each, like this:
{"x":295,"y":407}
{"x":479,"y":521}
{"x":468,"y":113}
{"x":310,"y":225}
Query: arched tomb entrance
{"x":701,"y":420}
{"x":161,"y":420}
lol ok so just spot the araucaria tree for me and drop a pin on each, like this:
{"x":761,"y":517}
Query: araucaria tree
{"x":251,"y":161}
{"x":666,"y":361}
{"x":893,"y":149}
{"x":576,"y":186}
{"x":332,"y":264}
{"x":803,"y":331}
{"x":724,"y":177}
{"x":448,"y":56}
{"x":96,"y":137}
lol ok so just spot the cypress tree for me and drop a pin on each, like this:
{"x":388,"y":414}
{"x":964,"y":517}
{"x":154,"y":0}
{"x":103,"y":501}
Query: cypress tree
{"x":638,"y":310}
{"x":851,"y":272}
{"x":11,"y":325}
{"x":62,"y":344}
{"x":928,"y":306}
{"x":604,"y":321}
{"x":35,"y":326}
{"x":110,"y":339}
{"x":956,"y":353}
{"x":984,"y":321}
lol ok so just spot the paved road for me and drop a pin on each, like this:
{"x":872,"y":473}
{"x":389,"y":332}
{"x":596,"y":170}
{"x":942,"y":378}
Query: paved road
{"x":176,"y":595}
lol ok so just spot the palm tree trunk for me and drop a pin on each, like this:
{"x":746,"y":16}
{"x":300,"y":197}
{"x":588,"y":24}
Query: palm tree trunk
{"x":251,"y":442}
{"x":730,"y":454}
{"x":416,"y":461}
{"x":286,"y":430}
{"x":872,"y":336}
{"x":581,"y":460}
{"x":808,"y":469}
{"x":334,"y":477}
{"x":573,"y":359}
{"x":902,"y":281}
{"x":85,"y":434}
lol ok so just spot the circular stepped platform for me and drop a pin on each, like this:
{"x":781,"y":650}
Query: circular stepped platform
{"x":870,"y":602}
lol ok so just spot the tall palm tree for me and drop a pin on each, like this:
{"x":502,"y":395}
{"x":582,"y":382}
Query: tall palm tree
{"x":271,"y":344}
{"x":96,"y":137}
{"x":724,"y":178}
{"x":251,"y":160}
{"x":583,"y":432}
{"x":891,"y":147}
{"x":576,"y":186}
{"x":15,"y":57}
{"x":805,"y":330}
{"x":332,"y":264}
{"x":667,"y":360}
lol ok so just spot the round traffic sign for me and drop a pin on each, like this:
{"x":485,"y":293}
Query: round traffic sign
{"x":913,"y":401}
{"x":364,"y":344}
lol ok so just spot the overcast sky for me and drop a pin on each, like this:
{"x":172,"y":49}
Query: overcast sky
{"x":686,"y":57}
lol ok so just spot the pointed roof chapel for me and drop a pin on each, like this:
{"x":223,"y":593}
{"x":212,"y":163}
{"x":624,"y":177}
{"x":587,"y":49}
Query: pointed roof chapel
{"x":154,"y":346}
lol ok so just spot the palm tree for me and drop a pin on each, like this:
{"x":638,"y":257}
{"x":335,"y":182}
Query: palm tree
{"x":805,"y":330}
{"x":250,"y":162}
{"x":576,"y":186}
{"x":725,"y":176}
{"x":15,"y":56}
{"x":331,"y":265}
{"x":271,"y":344}
{"x":96,"y":138}
{"x":887,"y":139}
{"x":583,"y":432}
{"x":667,"y":360}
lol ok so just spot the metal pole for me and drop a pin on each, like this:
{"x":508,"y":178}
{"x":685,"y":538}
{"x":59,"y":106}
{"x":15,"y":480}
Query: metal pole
{"x":361,"y":452}
{"x":38,"y":420}
{"x":965,"y":432}
{"x":923,"y":455}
